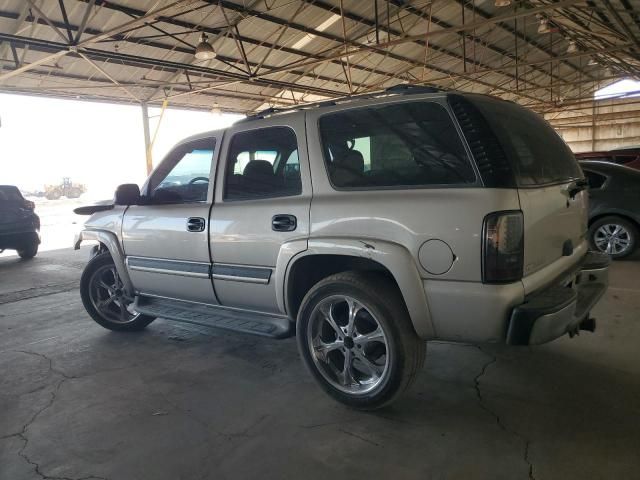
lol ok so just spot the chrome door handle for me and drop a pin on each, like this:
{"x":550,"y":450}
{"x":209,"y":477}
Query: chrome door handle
{"x":284,"y":223}
{"x":196,"y":224}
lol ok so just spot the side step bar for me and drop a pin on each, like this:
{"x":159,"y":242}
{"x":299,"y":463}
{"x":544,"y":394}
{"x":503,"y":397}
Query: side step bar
{"x":211,"y":316}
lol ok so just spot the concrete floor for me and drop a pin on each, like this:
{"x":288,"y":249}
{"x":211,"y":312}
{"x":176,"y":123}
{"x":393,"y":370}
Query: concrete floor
{"x":178,"y":402}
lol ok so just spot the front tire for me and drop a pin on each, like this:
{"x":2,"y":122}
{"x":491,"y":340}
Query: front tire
{"x":355,"y":337}
{"x":614,"y":235}
{"x":103,"y":296}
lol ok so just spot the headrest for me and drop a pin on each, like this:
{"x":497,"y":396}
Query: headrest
{"x":352,"y":160}
{"x":258,"y":168}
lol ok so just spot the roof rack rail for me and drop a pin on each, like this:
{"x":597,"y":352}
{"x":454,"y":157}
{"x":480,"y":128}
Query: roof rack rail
{"x":408,"y":88}
{"x":399,"y":89}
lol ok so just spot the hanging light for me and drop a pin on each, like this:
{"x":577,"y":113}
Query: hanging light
{"x":544,"y":25}
{"x":572,"y":48}
{"x":204,"y":50}
{"x":592,"y":62}
{"x":502,"y":3}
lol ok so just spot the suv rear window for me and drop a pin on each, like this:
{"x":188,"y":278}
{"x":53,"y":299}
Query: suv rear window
{"x":10,"y":193}
{"x":388,"y":146}
{"x":537,"y":154}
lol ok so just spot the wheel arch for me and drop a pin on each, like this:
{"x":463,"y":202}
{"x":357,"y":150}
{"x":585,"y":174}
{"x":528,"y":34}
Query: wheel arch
{"x":326,"y":257}
{"x":635,"y":222}
{"x":110,"y":242}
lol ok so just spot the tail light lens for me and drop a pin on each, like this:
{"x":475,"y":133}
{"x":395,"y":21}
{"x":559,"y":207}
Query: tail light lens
{"x":29,"y":205}
{"x":503,"y":247}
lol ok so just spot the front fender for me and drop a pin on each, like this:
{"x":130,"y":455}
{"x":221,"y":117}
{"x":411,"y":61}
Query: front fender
{"x":393,"y":257}
{"x":111,"y":243}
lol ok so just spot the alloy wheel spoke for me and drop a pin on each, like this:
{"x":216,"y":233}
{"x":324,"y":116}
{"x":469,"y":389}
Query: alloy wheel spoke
{"x":101,"y":305}
{"x":354,"y":308}
{"x":372,"y":369}
{"x":328,"y":317}
{"x":346,"y":376}
{"x":322,"y":349}
{"x":364,"y":338}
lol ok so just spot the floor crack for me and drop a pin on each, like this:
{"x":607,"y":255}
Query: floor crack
{"x":527,"y":443}
{"x":22,"y":434}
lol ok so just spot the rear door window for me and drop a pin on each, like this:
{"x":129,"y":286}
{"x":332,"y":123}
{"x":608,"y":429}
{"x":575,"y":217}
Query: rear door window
{"x":537,"y":154}
{"x":407,"y":144}
{"x":263,"y":163}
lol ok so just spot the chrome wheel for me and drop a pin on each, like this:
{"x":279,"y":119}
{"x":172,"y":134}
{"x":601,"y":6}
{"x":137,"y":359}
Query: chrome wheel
{"x":348,"y":345}
{"x":107,"y":295}
{"x":612,"y":239}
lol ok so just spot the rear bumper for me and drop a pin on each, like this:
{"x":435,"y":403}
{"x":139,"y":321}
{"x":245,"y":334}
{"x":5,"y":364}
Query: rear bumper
{"x":563,"y":307}
{"x":18,"y":240}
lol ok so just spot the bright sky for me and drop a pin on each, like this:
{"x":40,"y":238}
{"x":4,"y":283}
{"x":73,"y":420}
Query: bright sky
{"x":99,"y":144}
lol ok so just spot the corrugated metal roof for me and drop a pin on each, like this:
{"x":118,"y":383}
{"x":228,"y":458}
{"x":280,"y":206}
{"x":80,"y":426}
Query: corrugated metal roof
{"x":281,"y":52}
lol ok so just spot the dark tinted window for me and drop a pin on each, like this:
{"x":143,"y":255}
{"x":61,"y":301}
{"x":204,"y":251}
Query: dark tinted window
{"x":184,"y":175}
{"x":262,"y":164}
{"x":404,"y":144}
{"x":537,"y":153}
{"x":10,"y":193}
{"x":595,"y":179}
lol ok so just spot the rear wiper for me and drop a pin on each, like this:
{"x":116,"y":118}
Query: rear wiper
{"x":577,"y":187}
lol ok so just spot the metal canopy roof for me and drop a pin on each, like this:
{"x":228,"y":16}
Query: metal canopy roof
{"x":282,"y":52}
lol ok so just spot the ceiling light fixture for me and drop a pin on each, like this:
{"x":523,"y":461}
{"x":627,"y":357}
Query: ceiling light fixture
{"x":204,"y":50}
{"x":572,"y":48}
{"x":502,"y":3}
{"x":592,"y":62}
{"x":544,"y":26}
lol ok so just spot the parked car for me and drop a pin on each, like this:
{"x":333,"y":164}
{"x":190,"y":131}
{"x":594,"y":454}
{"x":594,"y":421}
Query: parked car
{"x":19,"y":224}
{"x":364,"y":226}
{"x":628,"y":156}
{"x":614,"y":207}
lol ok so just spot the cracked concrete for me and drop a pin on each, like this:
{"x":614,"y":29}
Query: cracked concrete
{"x":180,"y":402}
{"x":527,"y":443}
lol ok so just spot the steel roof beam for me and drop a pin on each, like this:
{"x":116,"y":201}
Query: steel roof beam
{"x":144,"y":62}
{"x":342,"y":41}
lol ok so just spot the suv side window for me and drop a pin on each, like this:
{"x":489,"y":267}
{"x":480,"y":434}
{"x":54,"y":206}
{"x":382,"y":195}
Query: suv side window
{"x":595,"y":179}
{"x":408,"y":144}
{"x":262,"y":163}
{"x":183,"y":177}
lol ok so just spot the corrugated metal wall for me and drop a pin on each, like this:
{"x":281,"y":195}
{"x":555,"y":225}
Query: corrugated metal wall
{"x":597,"y":126}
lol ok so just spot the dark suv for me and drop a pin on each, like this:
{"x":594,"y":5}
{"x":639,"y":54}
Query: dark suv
{"x":19,"y":225}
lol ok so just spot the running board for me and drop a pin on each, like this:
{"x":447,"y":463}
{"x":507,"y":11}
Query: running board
{"x":217,"y":317}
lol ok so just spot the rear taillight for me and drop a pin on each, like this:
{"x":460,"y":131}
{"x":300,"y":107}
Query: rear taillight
{"x":502,"y":247}
{"x":29,"y":205}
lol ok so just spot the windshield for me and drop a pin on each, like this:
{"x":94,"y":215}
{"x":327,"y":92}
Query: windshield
{"x":537,"y":154}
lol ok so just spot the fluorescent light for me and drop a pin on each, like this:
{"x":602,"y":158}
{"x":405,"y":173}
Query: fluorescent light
{"x":320,"y":28}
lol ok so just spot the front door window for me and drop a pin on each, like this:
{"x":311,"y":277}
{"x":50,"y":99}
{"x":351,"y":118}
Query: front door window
{"x":184,"y":175}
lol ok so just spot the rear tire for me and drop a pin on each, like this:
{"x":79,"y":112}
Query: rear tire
{"x":103,"y":297}
{"x":356,"y":338}
{"x":614,"y":235}
{"x":29,"y":252}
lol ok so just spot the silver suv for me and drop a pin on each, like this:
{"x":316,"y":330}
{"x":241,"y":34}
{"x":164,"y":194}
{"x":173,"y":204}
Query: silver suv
{"x":365,"y":226}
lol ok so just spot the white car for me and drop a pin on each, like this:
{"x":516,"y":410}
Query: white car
{"x":367,"y":226}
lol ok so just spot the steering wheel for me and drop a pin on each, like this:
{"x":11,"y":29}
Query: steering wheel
{"x":198,"y":179}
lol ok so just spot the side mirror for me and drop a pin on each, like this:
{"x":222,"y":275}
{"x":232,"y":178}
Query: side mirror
{"x":127,"y":194}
